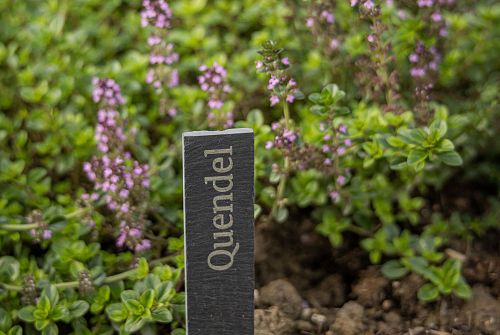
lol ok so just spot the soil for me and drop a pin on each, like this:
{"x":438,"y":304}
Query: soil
{"x":306,"y":287}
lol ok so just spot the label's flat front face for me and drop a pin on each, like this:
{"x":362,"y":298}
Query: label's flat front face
{"x":219,"y":232}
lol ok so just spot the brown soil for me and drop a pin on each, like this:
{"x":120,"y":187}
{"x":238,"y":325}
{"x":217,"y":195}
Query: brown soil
{"x":306,"y":287}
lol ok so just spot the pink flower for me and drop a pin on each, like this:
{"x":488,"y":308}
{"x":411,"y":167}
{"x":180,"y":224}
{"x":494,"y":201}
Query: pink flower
{"x":413,"y":58}
{"x":285,"y":61}
{"x":274,"y":100}
{"x":46,"y":234}
{"x":436,"y":17}
{"x":334,"y":44}
{"x":335,"y":196}
{"x":143,"y":246}
{"x":290,"y":98}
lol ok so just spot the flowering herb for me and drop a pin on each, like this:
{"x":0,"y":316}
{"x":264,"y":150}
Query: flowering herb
{"x":322,"y":23}
{"x":157,"y":15}
{"x":118,"y":178}
{"x":377,"y":74}
{"x":213,"y":80}
{"x":282,"y":87}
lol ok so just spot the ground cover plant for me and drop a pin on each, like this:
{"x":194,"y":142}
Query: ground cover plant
{"x":377,"y":160}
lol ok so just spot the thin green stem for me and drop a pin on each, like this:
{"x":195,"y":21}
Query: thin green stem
{"x":283,"y":180}
{"x":286,"y":113}
{"x":29,"y":226}
{"x":74,"y":284}
{"x":18,"y":226}
{"x":9,"y":287}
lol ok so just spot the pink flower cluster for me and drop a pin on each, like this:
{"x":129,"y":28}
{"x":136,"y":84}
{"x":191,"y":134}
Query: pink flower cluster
{"x":336,"y":144}
{"x":157,"y":15}
{"x":321,"y":22}
{"x":107,"y":92}
{"x":366,"y":4}
{"x":281,"y":87}
{"x":284,"y":139}
{"x":42,"y":232}
{"x":213,"y":80}
{"x":117,"y":177}
{"x":430,"y":3}
{"x":425,"y":61}
{"x":109,"y":131}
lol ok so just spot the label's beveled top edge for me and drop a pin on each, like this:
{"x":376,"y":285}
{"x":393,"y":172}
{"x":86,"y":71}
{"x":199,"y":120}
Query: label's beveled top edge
{"x":217,"y":132}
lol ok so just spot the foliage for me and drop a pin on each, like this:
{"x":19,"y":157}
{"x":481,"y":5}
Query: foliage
{"x":400,"y":108}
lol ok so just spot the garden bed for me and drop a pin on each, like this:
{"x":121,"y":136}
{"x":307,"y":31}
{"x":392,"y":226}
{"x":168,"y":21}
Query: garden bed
{"x":304,"y":287}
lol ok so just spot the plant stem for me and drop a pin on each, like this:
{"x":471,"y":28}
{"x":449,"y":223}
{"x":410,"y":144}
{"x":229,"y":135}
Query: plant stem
{"x":18,"y":226}
{"x":74,"y":284}
{"x":282,"y":184}
{"x":29,"y":226}
{"x":286,"y":113}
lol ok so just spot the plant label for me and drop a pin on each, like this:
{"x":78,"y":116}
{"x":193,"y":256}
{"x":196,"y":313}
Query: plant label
{"x":219,"y":231}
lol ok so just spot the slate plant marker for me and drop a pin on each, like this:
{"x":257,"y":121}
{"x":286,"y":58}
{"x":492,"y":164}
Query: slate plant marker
{"x":219,"y":231}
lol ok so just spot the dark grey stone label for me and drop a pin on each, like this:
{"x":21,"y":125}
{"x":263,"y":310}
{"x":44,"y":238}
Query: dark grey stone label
{"x":219,"y":231}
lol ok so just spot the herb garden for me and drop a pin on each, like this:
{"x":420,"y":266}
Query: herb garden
{"x":376,"y":167}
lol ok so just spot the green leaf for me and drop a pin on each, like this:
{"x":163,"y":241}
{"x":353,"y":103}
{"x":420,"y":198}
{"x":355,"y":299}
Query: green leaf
{"x":162,"y":314}
{"x":463,"y":290}
{"x":451,"y":158}
{"x":413,"y":136}
{"x":5,"y":319}
{"x":78,"y":308}
{"x":26,"y":314}
{"x":416,"y":156}
{"x":375,"y":256}
{"x":165,"y":292}
{"x":178,"y":331}
{"x":440,"y":127}
{"x":147,"y":299}
{"x":418,"y":264}
{"x":256,"y":118}
{"x":395,"y":141}
{"x":134,"y":306}
{"x":128,"y":295}
{"x":59,"y":312}
{"x":299,"y":95}
{"x":281,"y":214}
{"x":142,"y":268}
{"x":51,"y":329}
{"x":315,"y":98}
{"x":117,"y":312}
{"x":393,"y":269}
{"x":9,"y":268}
{"x":16,"y":330}
{"x":446,"y":145}
{"x":398,"y":163}
{"x":41,"y":324}
{"x":318,"y":110}
{"x":134,"y":323}
{"x":428,"y":292}
{"x":44,"y":305}
{"x":51,"y":293}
